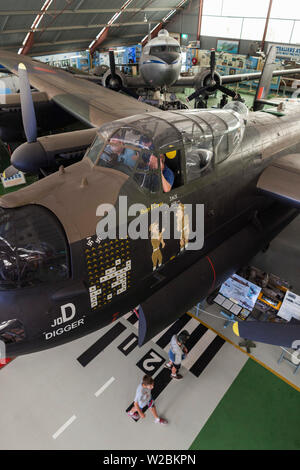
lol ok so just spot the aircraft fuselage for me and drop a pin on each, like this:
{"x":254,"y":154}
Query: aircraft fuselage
{"x":93,"y":281}
{"x":160,"y":63}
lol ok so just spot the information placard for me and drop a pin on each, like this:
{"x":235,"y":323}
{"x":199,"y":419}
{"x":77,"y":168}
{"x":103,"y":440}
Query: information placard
{"x":14,"y":180}
{"x":241,"y":291}
{"x":290,"y":307}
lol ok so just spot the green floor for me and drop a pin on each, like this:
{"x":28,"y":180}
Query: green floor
{"x":259,"y":411}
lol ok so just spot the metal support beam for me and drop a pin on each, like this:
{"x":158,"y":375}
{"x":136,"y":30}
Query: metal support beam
{"x":200,"y":19}
{"x":79,"y":12}
{"x":29,"y":43}
{"x":100,"y":39}
{"x":4,"y":23}
{"x":266,"y":25}
{"x":78,"y":43}
{"x":103,"y":33}
{"x":93,"y":19}
{"x":153,"y":34}
{"x":56,"y":37}
{"x":79,"y":5}
{"x":71,"y":27}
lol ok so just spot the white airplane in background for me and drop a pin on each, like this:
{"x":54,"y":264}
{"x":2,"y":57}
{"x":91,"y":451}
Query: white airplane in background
{"x":160,"y":67}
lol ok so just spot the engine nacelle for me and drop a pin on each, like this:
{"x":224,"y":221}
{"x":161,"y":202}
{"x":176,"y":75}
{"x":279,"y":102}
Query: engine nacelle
{"x":52,"y":150}
{"x":204,"y":79}
{"x":116,"y":82}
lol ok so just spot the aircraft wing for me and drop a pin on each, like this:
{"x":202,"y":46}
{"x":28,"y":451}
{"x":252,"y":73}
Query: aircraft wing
{"x":87,"y":101}
{"x":280,"y":334}
{"x":190,"y":82}
{"x":281,"y":179}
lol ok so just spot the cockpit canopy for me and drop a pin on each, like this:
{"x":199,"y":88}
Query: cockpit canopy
{"x":191,"y":141}
{"x":164,"y":48}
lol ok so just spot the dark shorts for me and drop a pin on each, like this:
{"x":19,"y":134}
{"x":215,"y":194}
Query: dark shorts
{"x":172,"y":359}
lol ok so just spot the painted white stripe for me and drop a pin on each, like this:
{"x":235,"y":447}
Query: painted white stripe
{"x":104,"y":387}
{"x":129,"y":344}
{"x":156,"y":338}
{"x":126,"y":315}
{"x":64,"y":427}
{"x":199,"y":349}
{"x":190,"y":327}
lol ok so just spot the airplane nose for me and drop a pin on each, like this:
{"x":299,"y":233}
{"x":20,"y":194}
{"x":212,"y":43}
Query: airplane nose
{"x":168,"y":57}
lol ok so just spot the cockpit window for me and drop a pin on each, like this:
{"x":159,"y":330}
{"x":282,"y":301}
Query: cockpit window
{"x":122,"y":150}
{"x":96,"y":148}
{"x":196,"y":161}
{"x":164,"y":48}
{"x":227,"y":128}
{"x":129,"y":151}
{"x":33,"y":248}
{"x":147,"y":171}
{"x":198,"y":145}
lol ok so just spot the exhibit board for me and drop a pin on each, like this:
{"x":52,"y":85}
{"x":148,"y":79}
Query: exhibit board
{"x":240,"y":291}
{"x":15,"y":180}
{"x":286,"y":51}
{"x":290,"y":307}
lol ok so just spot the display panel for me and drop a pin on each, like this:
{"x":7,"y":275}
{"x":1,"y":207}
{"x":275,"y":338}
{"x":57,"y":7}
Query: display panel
{"x":240,"y":291}
{"x":228,"y":46}
{"x":290,"y":307}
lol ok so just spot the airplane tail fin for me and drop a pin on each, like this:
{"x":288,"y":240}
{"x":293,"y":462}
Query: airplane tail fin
{"x":264,"y":85}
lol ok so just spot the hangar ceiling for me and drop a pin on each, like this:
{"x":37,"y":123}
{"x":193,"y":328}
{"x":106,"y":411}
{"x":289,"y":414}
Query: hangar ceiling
{"x":38,"y":27}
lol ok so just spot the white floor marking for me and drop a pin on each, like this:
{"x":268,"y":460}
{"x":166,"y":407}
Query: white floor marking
{"x":129,"y":344}
{"x":104,"y":387}
{"x":64,"y":427}
{"x":199,"y":349}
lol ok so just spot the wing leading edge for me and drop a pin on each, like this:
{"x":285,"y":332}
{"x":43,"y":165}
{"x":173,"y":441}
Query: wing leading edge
{"x":87,"y":101}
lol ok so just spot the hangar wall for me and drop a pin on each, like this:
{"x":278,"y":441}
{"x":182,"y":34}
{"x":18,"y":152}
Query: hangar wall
{"x":187,"y":22}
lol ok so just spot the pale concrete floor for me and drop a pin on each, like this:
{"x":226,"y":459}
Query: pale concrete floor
{"x":43,"y":391}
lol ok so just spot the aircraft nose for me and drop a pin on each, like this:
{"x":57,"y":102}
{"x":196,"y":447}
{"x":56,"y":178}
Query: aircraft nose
{"x":168,"y":57}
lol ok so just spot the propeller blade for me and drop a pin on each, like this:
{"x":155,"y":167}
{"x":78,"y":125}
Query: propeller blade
{"x":196,"y":93}
{"x":4,"y":156}
{"x":27,"y":108}
{"x":112,"y":63}
{"x":10,"y":171}
{"x":227,"y":91}
{"x":212,"y":63}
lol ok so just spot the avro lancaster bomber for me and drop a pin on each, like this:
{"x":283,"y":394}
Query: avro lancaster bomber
{"x":60,"y":278}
